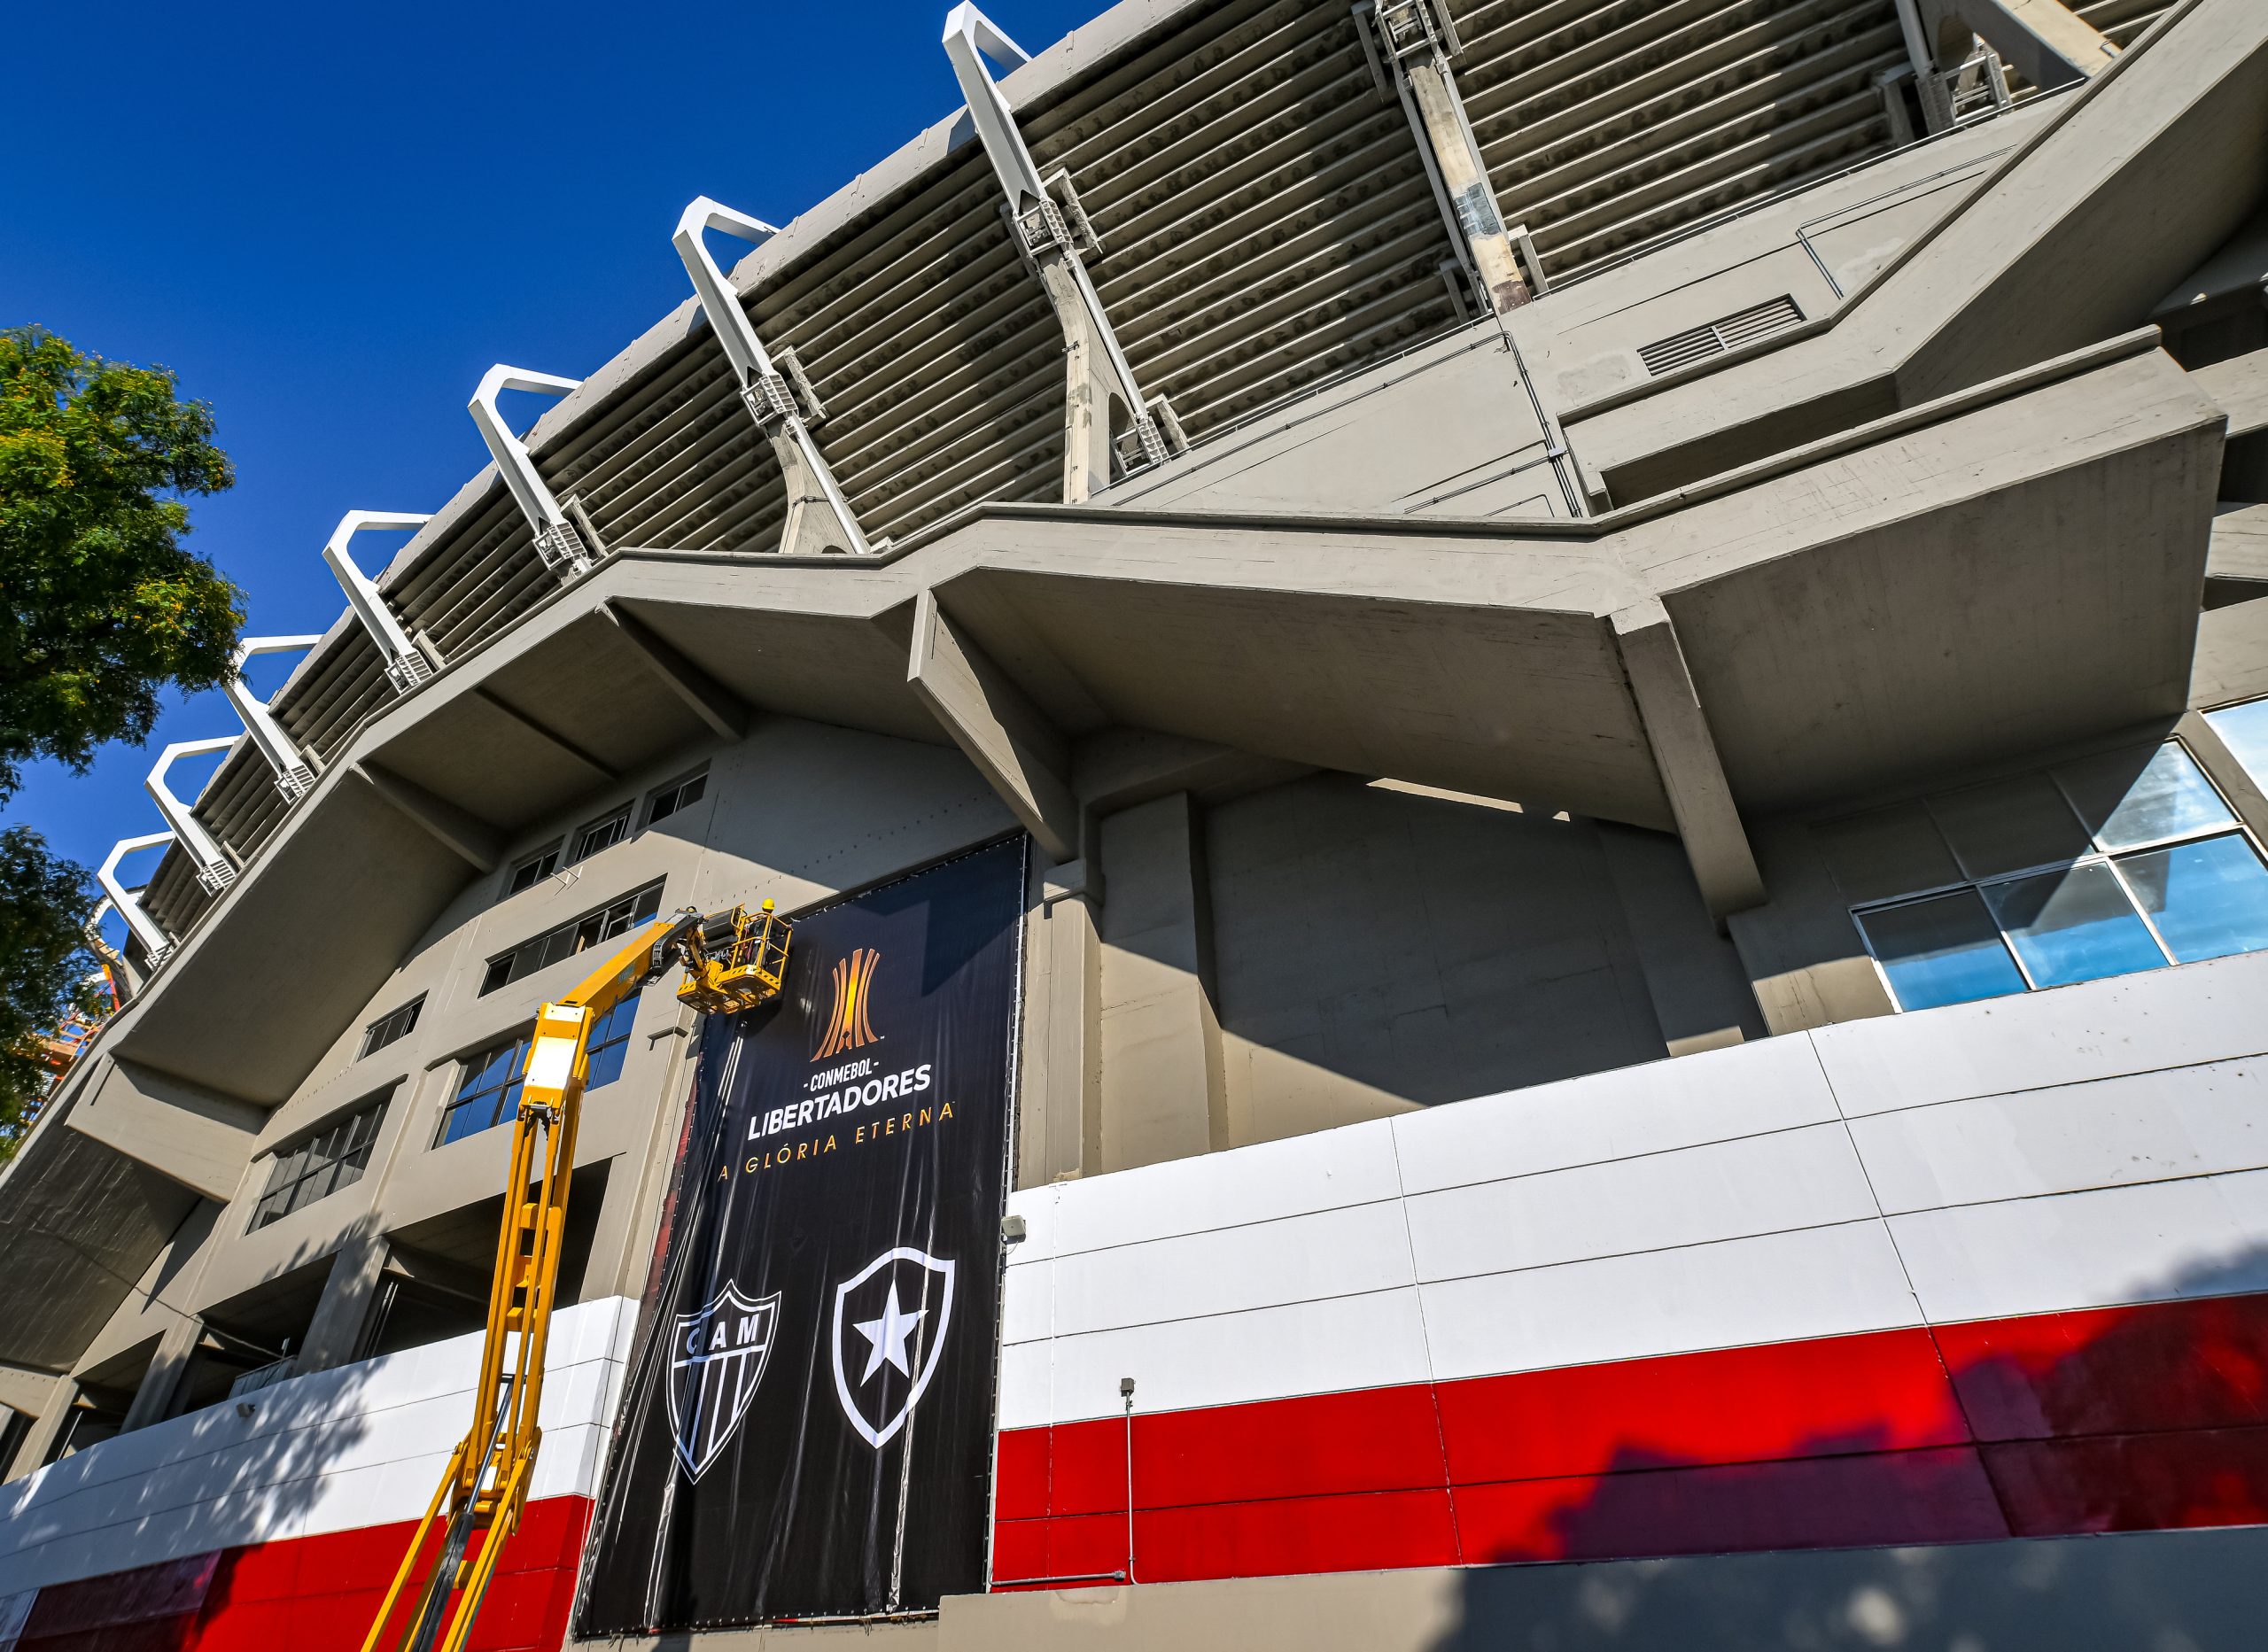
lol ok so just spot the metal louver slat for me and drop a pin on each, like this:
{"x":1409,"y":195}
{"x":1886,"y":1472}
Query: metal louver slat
{"x":1697,"y":344}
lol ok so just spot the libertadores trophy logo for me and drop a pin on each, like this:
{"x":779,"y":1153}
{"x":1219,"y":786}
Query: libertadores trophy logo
{"x":846,"y":1023}
{"x":891,"y":1316}
{"x":716,"y":1358}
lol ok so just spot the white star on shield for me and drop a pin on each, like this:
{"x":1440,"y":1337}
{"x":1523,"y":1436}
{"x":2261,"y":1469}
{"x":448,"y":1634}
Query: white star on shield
{"x":888,"y":1337}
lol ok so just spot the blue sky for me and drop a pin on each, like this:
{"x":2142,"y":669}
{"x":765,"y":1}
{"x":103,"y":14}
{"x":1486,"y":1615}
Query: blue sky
{"x":330,"y":219}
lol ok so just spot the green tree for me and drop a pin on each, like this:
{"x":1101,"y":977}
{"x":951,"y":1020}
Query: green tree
{"x":44,"y":967}
{"x":105,"y":608}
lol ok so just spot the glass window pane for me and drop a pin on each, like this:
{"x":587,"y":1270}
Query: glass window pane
{"x":605,"y":1064}
{"x":1945,"y":950}
{"x":2244,"y":731}
{"x":2127,"y":800}
{"x":2208,"y":899}
{"x":2009,"y":826}
{"x":1890,"y":852}
{"x":2075,"y":925}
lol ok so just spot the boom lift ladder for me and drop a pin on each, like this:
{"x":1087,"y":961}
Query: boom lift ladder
{"x":734,"y":961}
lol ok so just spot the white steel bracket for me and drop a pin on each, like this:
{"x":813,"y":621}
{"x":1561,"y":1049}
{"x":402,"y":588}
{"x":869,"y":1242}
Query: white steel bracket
{"x":155,"y":941}
{"x":1049,"y":228}
{"x":293,"y":777}
{"x":406,"y":666}
{"x":782,"y":403}
{"x":558,"y":541}
{"x":215,"y":872}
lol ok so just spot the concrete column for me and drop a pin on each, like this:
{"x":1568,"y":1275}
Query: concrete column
{"x":1801,"y":952}
{"x":153,"y":1401}
{"x":1466,"y":181}
{"x":1062,"y":1107}
{"x":54,"y":1414}
{"x":335,"y":1331}
{"x":1163,"y":1090}
{"x":812,"y":527}
{"x":1700,"y":994}
{"x":1090,"y":385}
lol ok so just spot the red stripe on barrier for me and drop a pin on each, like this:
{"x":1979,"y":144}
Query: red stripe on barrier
{"x":2133,"y":1482}
{"x":318,"y":1594}
{"x":2124,"y":1419}
{"x":2166,"y":1365}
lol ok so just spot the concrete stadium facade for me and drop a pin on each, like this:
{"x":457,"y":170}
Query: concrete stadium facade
{"x":1627,"y":638}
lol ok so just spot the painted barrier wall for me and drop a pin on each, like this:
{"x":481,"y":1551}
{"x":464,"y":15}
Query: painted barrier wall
{"x":283,"y":1529}
{"x":1994,"y":1269}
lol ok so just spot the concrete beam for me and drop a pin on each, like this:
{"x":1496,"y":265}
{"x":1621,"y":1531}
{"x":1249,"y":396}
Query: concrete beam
{"x":550,"y":736}
{"x":195,"y":1136}
{"x":471,"y":840}
{"x":2046,"y":42}
{"x":1022,"y":755}
{"x":1117,"y":768}
{"x":1686,"y":754}
{"x":25,"y":1390}
{"x":2239,"y":553}
{"x":704,"y":695}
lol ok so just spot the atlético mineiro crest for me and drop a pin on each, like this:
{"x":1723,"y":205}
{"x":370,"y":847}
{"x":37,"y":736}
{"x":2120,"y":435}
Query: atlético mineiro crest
{"x":890,"y":1320}
{"x":716,"y":1358}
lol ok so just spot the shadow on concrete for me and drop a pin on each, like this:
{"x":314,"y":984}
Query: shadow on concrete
{"x":2090,"y":1440}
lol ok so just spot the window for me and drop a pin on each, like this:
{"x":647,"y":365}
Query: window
{"x":609,"y":1044}
{"x":527,"y":874}
{"x":603,"y":832}
{"x":392,"y":1028}
{"x":334,"y":1158}
{"x":2243,"y":729}
{"x":576,"y":934}
{"x":676,"y":795}
{"x":488,"y":1090}
{"x":2125,"y":862}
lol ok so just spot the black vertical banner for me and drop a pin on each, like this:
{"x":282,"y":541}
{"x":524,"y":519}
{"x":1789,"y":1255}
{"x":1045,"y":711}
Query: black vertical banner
{"x":807,"y":1427}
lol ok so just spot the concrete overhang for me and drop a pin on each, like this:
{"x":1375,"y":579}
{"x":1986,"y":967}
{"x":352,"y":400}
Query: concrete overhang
{"x":2018,"y":564}
{"x":2078,"y":234}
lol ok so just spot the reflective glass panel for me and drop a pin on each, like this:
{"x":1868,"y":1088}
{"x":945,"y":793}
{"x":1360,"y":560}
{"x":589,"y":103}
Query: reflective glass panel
{"x":609,"y":1041}
{"x":1944,"y":950}
{"x":2127,"y":802}
{"x":2208,"y":899}
{"x":2009,"y":826}
{"x":2074,"y":924}
{"x":2244,"y":731}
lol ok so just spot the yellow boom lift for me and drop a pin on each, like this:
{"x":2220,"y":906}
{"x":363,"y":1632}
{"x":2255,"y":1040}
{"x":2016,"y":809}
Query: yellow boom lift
{"x":734,"y":961}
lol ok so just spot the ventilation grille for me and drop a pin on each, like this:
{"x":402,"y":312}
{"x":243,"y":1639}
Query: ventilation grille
{"x":1696,"y":344}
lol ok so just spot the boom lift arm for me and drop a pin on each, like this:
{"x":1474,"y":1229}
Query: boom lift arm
{"x":734,"y":960}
